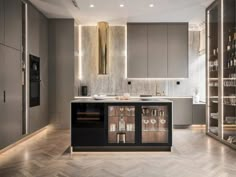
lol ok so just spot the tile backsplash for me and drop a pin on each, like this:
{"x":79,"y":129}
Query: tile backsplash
{"x":115,"y":83}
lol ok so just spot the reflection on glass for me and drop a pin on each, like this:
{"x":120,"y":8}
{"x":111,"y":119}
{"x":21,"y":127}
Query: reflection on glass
{"x":229,"y":75}
{"x":213,"y":69}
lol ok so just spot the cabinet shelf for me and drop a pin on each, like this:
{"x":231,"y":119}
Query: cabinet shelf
{"x":88,"y":113}
{"x":121,"y":131}
{"x":158,"y":130}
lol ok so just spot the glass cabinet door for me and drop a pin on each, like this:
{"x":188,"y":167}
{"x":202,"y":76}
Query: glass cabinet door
{"x":229,"y":73}
{"x":154,"y":124}
{"x":213,"y":69}
{"x":121,"y":124}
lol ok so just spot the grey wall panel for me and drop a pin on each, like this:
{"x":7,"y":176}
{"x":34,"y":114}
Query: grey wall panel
{"x":2,"y":21}
{"x":61,"y":68}
{"x":182,"y":111}
{"x":52,"y":70}
{"x":38,"y":45}
{"x":178,"y":50}
{"x":13,"y":23}
{"x":137,"y":51}
{"x":157,"y":50}
{"x":2,"y":115}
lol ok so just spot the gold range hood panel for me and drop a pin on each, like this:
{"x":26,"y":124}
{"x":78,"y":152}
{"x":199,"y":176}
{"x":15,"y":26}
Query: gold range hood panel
{"x":103,"y":34}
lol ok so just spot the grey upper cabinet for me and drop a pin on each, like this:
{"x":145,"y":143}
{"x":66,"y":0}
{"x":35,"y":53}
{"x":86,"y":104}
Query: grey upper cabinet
{"x":13,"y":23}
{"x":137,"y":51}
{"x":11,"y":113}
{"x":1,"y":21}
{"x":157,"y":50}
{"x":178,"y":50}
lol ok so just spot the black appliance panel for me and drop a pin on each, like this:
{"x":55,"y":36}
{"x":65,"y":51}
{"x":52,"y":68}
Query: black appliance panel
{"x":34,"y":81}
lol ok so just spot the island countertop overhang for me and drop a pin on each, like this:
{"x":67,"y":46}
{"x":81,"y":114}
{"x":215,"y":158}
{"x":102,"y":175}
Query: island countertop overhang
{"x":113,"y":100}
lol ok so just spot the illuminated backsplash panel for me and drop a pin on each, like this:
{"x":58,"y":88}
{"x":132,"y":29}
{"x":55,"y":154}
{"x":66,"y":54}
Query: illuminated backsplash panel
{"x":115,"y":82}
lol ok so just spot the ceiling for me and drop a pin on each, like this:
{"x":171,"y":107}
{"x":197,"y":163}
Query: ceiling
{"x":192,"y":11}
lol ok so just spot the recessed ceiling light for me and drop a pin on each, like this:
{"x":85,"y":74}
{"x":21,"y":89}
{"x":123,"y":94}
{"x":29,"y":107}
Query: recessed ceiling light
{"x":151,"y":5}
{"x":91,"y":5}
{"x":121,"y":5}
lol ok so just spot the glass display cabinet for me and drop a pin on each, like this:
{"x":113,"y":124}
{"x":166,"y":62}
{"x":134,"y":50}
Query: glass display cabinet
{"x":213,"y":69}
{"x":221,"y":71}
{"x":154,"y":124}
{"x":121,"y":121}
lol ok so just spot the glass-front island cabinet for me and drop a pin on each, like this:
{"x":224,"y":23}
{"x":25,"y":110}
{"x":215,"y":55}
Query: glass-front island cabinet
{"x":221,"y":71}
{"x":121,"y":125}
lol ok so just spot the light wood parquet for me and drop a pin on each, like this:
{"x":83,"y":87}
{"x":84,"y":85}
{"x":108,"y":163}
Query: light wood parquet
{"x":193,"y":155}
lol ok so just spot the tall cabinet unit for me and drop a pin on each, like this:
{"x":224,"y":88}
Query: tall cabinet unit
{"x":221,"y":71}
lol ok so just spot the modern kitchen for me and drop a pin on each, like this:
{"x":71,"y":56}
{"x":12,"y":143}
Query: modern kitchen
{"x":118,"y":88}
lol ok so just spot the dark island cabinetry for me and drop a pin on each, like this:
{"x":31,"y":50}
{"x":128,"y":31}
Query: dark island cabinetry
{"x":101,"y":126}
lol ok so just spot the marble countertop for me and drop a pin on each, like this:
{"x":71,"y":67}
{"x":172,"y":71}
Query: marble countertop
{"x":137,"y":97}
{"x":113,"y":100}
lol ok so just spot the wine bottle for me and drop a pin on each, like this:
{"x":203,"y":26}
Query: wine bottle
{"x":122,"y":124}
{"x":229,"y":59}
{"x":234,"y":51}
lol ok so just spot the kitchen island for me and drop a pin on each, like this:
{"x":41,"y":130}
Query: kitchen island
{"x":121,"y":125}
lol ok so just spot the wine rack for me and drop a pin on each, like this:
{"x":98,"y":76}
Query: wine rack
{"x":221,"y":71}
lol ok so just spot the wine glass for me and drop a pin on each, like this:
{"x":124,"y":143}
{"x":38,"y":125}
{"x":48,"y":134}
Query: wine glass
{"x":128,"y":109}
{"x":145,"y":121}
{"x":153,"y":122}
{"x":144,"y":111}
{"x":111,"y":110}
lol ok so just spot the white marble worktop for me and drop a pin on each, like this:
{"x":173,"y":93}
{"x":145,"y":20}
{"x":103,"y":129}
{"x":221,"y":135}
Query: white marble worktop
{"x":114,"y":100}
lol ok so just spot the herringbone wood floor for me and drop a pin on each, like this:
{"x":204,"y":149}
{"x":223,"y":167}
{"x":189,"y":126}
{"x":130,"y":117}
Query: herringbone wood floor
{"x":193,"y":155}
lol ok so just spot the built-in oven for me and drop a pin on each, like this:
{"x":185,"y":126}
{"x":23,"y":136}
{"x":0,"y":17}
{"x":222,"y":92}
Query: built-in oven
{"x":34,"y":81}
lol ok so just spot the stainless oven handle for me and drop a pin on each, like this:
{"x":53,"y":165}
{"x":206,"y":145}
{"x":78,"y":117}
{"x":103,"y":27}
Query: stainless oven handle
{"x":4,"y":96}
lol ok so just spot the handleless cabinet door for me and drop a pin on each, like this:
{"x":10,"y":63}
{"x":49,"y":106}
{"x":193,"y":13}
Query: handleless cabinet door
{"x":2,"y":111}
{"x":13,"y":23}
{"x":178,"y":50}
{"x":13,"y":106}
{"x":157,"y":50}
{"x":182,"y":111}
{"x":137,"y":51}
{"x":1,"y":21}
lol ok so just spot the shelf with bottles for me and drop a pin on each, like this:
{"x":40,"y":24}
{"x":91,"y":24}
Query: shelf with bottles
{"x":230,"y":100}
{"x":213,"y":84}
{"x":121,"y":124}
{"x":230,"y":53}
